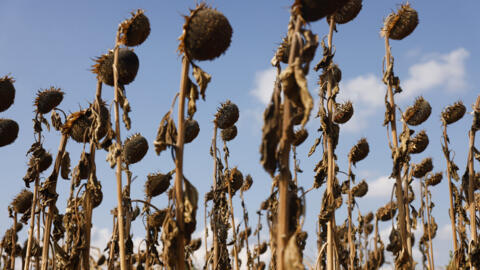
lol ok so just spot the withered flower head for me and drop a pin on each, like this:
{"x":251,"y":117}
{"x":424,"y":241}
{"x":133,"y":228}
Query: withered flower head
{"x":195,"y":244}
{"x":135,"y":149}
{"x":343,"y":112}
{"x":78,"y":124}
{"x":348,"y":12}
{"x":134,"y":31}
{"x":386,"y":213}
{"x":7,"y":93}
{"x":400,"y":24}
{"x":23,"y":201}
{"x":300,"y":136}
{"x":418,"y":143}
{"x":157,"y":184}
{"x":235,"y":177}
{"x":453,"y":113}
{"x":247,"y":184}
{"x":360,"y":190}
{"x":127,"y":67}
{"x":359,"y":151}
{"x":424,"y":167}
{"x":48,"y":99}
{"x":156,"y":219}
{"x":8,"y":131}
{"x":313,"y":10}
{"x":434,"y":179}
{"x":227,"y":115}
{"x":206,"y":34}
{"x":418,"y":112}
{"x":191,"y":130}
{"x":229,"y":134}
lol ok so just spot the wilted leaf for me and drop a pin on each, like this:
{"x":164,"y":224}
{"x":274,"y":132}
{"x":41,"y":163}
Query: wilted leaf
{"x":202,"y":79}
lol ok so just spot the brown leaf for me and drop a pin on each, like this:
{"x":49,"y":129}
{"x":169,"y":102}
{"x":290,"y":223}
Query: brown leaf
{"x":65,"y":166}
{"x":202,"y":79}
{"x":293,"y":257}
{"x":166,"y":134}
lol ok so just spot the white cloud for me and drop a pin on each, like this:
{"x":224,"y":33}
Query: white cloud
{"x":264,"y":81}
{"x":437,"y":71}
{"x":380,"y":188}
{"x":445,"y":71}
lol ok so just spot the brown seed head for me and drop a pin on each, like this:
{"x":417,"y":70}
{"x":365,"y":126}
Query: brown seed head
{"x":348,"y":12}
{"x":418,"y":143}
{"x":313,"y":10}
{"x":101,"y":260}
{"x":229,"y":134}
{"x":453,"y":113}
{"x":343,"y":112}
{"x":8,"y":131}
{"x":434,"y":179}
{"x":235,"y":177}
{"x":360,"y":190}
{"x":191,"y":130}
{"x":247,"y":184}
{"x":418,"y":112}
{"x":135,"y":149}
{"x":157,"y":184}
{"x":127,"y":67}
{"x":23,"y":201}
{"x":48,"y":99}
{"x":424,"y":167}
{"x":401,"y":24}
{"x":134,"y":31}
{"x":7,"y":93}
{"x":156,"y":219}
{"x":300,"y":136}
{"x":359,"y":151}
{"x":387,"y":212}
{"x":195,"y":244}
{"x":43,"y":160}
{"x":227,"y":115}
{"x":78,"y":124}
{"x":368,"y":217}
{"x":206,"y":34}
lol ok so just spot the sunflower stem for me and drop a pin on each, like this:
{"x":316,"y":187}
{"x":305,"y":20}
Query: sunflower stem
{"x":32,"y":225}
{"x":120,"y":212}
{"x":52,"y":183}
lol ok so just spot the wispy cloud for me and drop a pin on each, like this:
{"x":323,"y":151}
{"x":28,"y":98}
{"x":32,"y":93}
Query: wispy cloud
{"x":264,"y":81}
{"x":380,"y":188}
{"x":444,"y":71}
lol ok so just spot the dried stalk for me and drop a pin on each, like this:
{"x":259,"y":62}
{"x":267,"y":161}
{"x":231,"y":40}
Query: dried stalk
{"x":213,"y":224}
{"x":331,"y":162}
{"x":245,"y":223}
{"x":179,"y":164}
{"x":121,"y":226}
{"x":409,"y":223}
{"x":32,"y":225}
{"x":450,"y":189}
{"x":350,"y":199}
{"x":284,"y":157}
{"x":234,"y":229}
{"x":393,"y":125}
{"x":429,"y":222}
{"x":52,"y":182}
{"x":91,"y":181}
{"x":14,"y":233}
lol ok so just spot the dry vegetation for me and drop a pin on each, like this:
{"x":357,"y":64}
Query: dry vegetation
{"x":60,"y":238}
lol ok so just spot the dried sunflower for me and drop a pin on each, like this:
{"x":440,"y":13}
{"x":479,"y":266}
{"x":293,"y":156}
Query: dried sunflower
{"x":400,"y":24}
{"x":359,"y":151}
{"x":23,"y":201}
{"x":424,"y":167}
{"x":348,"y":12}
{"x":313,"y":10}
{"x":453,"y":113}
{"x":343,"y":112}
{"x":135,"y":149}
{"x":418,"y":112}
{"x":127,"y":67}
{"x":300,"y":136}
{"x":191,"y":130}
{"x":206,"y":34}
{"x":418,"y":143}
{"x":227,"y":115}
{"x":48,"y":99}
{"x":7,"y":93}
{"x":8,"y":131}
{"x":229,"y":134}
{"x":434,"y":179}
{"x":135,"y":30}
{"x":157,"y":184}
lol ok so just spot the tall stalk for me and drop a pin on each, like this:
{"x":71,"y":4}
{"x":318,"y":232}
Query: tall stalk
{"x":398,"y":190}
{"x":429,"y":222}
{"x":121,"y":226}
{"x":32,"y":225}
{"x":179,"y":164}
{"x":331,"y":162}
{"x":285,"y":176}
{"x":450,"y":189}
{"x":350,"y":200}
{"x":215,"y":171}
{"x":91,"y":181}
{"x":52,"y":180}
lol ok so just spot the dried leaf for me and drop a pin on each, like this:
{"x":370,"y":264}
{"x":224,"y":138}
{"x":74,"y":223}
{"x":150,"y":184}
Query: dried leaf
{"x":56,"y":121}
{"x":166,"y":135}
{"x":202,"y":79}
{"x":192,"y":98}
{"x":65,"y":166}
{"x":293,"y":257}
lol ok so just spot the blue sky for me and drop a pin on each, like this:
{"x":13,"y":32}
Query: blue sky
{"x":52,"y":43}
